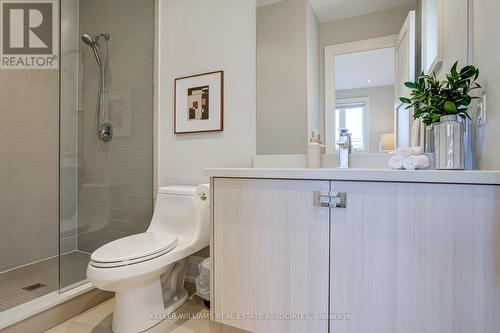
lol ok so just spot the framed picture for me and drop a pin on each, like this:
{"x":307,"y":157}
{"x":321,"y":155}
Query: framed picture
{"x":199,"y":103}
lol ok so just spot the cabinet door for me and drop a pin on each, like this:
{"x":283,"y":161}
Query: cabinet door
{"x":416,"y":258}
{"x":271,"y":254}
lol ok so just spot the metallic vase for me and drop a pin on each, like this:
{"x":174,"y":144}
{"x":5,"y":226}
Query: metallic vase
{"x":449,"y":143}
{"x":429,"y":139}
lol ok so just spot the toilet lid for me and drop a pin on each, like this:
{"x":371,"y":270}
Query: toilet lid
{"x":132,"y":248}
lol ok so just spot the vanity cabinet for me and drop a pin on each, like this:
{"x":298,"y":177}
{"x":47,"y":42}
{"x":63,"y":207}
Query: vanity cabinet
{"x":399,"y":258}
{"x":415,"y":258}
{"x":270,"y":254}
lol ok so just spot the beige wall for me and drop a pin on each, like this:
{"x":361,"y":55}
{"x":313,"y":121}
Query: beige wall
{"x":197,"y":36}
{"x":115,"y":179}
{"x":282,"y":77}
{"x":362,"y":27}
{"x":357,"y":28}
{"x":380,"y":114}
{"x":313,"y":74}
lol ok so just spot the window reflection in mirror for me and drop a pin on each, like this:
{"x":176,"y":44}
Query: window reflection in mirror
{"x":352,"y":113}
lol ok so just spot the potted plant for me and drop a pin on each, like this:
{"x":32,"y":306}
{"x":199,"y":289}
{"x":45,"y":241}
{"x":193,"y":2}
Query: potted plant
{"x":442,"y":106}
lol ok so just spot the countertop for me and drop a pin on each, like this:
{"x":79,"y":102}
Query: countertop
{"x":376,"y":175}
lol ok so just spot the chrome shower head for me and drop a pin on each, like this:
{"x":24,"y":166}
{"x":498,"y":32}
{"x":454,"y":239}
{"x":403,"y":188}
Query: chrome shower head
{"x":90,"y":40}
{"x":93,"y":42}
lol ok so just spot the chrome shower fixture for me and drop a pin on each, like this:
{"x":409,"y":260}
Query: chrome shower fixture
{"x":104,"y":129}
{"x":93,"y":42}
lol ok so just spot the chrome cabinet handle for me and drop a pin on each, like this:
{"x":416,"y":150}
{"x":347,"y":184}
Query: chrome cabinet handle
{"x":330,"y":199}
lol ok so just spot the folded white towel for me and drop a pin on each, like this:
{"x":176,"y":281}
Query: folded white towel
{"x":396,"y":162}
{"x":408,"y":151}
{"x":414,"y":162}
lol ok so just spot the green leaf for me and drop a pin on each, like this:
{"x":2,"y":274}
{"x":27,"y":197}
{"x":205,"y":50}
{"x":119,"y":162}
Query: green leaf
{"x":454,"y":72}
{"x":411,"y":85}
{"x":468,"y":71}
{"x":435,"y":118}
{"x":450,"y":107}
{"x":405,"y":100}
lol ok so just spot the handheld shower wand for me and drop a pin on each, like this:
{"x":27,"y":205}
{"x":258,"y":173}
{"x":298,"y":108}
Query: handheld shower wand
{"x":104,"y":129}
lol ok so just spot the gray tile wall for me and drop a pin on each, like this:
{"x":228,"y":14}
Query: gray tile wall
{"x":116,"y":179}
{"x":29,"y":141}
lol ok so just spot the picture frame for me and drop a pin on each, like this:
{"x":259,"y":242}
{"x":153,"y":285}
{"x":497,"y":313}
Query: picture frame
{"x":199,"y":103}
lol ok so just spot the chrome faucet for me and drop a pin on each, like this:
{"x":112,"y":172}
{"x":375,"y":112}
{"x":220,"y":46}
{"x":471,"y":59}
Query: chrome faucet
{"x":345,"y":148}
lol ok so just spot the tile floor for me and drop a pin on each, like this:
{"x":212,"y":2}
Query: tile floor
{"x":73,"y":268}
{"x":98,"y":320}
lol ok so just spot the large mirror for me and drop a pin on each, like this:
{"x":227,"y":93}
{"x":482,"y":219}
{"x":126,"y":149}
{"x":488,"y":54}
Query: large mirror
{"x":323,"y":65}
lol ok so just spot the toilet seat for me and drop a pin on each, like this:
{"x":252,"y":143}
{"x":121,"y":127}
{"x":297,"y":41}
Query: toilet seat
{"x":133,"y":249}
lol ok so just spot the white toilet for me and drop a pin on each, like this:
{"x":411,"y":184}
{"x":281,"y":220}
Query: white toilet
{"x":147,"y":271}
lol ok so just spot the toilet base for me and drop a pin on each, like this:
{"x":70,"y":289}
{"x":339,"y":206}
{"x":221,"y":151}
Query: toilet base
{"x":136,"y":307}
{"x":133,"y":315}
{"x":179,"y":299}
{"x":144,"y":305}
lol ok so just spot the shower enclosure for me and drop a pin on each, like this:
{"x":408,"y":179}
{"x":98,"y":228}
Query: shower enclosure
{"x":76,"y":148}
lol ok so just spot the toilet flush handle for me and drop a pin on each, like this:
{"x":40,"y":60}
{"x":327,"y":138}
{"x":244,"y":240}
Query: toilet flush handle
{"x":203,"y":196}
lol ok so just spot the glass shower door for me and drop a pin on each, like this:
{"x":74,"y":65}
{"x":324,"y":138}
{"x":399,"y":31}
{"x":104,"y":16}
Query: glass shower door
{"x":28,"y":182}
{"x":106,"y":187}
{"x":72,"y":262}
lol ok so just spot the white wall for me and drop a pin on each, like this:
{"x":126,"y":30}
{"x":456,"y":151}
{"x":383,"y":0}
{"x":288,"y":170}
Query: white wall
{"x":486,"y":50}
{"x":197,"y":36}
{"x":380,"y":114}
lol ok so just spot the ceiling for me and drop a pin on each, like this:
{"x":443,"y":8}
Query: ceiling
{"x":331,"y":10}
{"x":372,"y":68}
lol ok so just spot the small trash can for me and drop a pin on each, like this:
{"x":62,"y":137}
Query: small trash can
{"x":203,"y":281}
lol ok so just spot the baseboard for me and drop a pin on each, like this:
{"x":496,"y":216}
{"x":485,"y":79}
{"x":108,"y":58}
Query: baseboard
{"x":60,"y":313}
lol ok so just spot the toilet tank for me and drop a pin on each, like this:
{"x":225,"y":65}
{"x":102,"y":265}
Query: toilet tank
{"x":179,"y":211}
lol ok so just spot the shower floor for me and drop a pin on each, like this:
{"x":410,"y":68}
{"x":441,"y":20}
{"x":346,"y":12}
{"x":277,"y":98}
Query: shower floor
{"x":46,"y":272}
